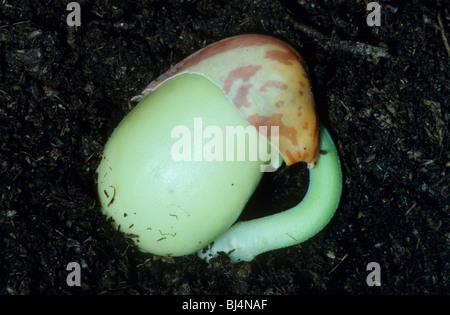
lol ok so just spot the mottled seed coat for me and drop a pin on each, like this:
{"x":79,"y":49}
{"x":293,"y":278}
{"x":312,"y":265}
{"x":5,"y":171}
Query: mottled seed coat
{"x":267,"y":81}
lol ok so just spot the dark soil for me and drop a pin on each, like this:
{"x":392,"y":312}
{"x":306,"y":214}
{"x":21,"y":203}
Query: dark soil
{"x":63,"y":90}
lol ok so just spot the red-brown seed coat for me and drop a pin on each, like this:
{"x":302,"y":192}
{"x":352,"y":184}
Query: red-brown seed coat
{"x":266,"y":80}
